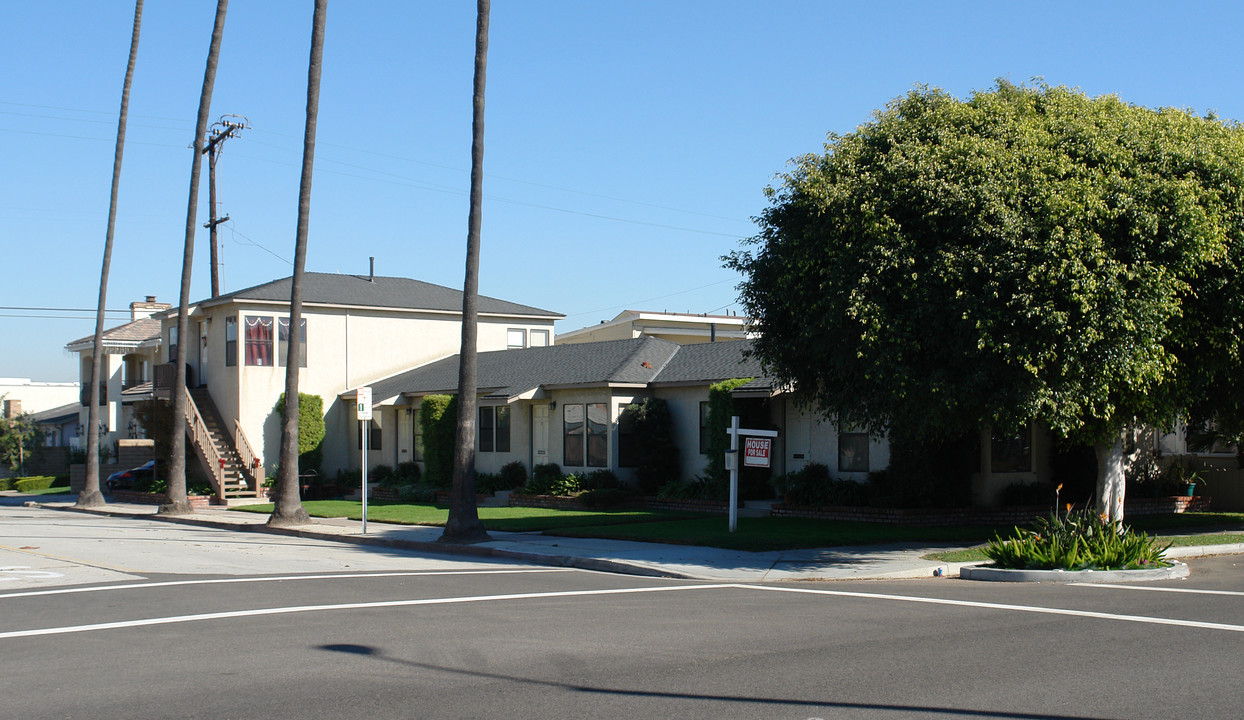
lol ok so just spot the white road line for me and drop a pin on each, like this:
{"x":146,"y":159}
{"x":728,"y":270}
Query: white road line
{"x":1016,"y":608}
{"x":346,"y":606}
{"x":1193,"y":591}
{"x":273,"y":578}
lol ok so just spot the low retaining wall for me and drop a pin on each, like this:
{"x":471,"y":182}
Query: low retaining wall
{"x":142,"y":498}
{"x":945,"y":517}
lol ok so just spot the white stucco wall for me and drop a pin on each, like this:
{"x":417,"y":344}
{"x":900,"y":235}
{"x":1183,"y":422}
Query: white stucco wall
{"x":346,"y":348}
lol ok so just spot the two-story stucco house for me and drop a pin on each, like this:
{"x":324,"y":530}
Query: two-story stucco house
{"x":356,"y":329}
{"x":131,"y":351}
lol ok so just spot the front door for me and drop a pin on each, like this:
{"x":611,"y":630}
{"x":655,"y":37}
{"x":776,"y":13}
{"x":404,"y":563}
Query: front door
{"x":539,"y":434}
{"x":202,"y":369}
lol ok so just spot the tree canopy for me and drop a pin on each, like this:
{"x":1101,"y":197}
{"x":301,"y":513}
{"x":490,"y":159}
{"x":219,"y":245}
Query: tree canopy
{"x":1029,"y":253}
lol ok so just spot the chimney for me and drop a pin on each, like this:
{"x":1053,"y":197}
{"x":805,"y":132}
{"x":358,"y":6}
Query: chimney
{"x":12,"y":408}
{"x":146,"y":308}
{"x":712,"y":332}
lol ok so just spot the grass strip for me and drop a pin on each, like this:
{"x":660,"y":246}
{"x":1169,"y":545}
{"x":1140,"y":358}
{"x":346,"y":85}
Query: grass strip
{"x":501,"y":519}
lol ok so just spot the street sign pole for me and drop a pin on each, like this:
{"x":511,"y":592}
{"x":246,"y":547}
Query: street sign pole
{"x":364,"y":416}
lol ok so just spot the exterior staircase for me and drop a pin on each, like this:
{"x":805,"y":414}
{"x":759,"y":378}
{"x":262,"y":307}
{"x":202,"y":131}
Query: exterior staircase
{"x":227,"y":457}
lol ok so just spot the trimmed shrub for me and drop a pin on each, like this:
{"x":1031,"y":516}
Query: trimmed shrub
{"x":513,"y":475}
{"x":33,"y":483}
{"x":310,"y":430}
{"x":697,"y":489}
{"x":408,"y":473}
{"x":721,"y":408}
{"x":487,"y":483}
{"x":417,"y":493}
{"x":439,"y":417}
{"x":384,"y":476}
{"x":811,"y":486}
{"x":605,"y":497}
{"x":647,"y":430}
{"x":599,"y":479}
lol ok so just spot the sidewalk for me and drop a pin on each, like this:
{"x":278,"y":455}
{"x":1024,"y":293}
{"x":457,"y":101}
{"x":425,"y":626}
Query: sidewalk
{"x":628,"y":557}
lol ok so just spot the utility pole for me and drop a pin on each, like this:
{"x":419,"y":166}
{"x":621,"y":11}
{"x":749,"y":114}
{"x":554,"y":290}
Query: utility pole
{"x":222,"y":130}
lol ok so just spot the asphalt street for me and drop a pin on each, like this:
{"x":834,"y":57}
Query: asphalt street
{"x":112,"y":618}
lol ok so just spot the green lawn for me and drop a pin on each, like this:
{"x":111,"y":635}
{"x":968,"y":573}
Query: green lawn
{"x":503,"y":519}
{"x":753,"y":534}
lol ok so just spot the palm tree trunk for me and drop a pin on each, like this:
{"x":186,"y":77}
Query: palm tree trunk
{"x":288,"y":509}
{"x":90,"y":495}
{"x":463,"y":525}
{"x":177,"y":503}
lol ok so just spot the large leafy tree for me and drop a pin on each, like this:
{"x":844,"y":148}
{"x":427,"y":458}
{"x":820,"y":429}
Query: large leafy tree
{"x":463,"y":524}
{"x":90,"y":495}
{"x":1028,"y":254}
{"x":287,"y":509}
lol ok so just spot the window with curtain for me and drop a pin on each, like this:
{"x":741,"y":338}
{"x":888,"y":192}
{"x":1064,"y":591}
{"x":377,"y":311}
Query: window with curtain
{"x":282,"y":326}
{"x":172,"y":344}
{"x":515,"y":339}
{"x":231,"y":341}
{"x":258,"y":340}
{"x":597,"y":435}
{"x":538,"y":338}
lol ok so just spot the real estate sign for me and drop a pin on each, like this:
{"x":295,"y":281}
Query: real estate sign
{"x":756,"y":451}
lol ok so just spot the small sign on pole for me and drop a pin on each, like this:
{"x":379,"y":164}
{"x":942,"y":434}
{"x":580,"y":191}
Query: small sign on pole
{"x":756,"y":451}
{"x":732,"y":463}
{"x":363,"y":398}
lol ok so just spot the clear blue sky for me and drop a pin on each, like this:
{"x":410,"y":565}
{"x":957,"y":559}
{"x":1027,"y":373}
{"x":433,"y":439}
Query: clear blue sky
{"x":627,"y":143}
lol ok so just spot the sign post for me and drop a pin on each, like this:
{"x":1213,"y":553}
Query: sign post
{"x":756,"y":453}
{"x":364,"y":416}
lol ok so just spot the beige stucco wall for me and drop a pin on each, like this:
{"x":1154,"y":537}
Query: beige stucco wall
{"x":684,"y":406}
{"x":38,"y":396}
{"x":346,"y":348}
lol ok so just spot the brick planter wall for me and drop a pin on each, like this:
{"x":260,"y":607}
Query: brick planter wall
{"x":442,"y":496}
{"x":647,"y":503}
{"x":142,"y":498}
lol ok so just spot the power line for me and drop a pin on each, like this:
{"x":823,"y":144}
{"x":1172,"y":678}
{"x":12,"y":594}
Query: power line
{"x":62,"y":309}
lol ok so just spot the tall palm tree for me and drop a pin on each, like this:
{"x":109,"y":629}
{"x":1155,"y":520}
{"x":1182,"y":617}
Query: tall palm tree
{"x":90,"y":495}
{"x":177,"y":503}
{"x":288,"y":509}
{"x":463,"y":525}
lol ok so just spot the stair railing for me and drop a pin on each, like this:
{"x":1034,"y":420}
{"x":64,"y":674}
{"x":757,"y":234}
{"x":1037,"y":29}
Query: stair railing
{"x":196,"y":430}
{"x":252,"y":464}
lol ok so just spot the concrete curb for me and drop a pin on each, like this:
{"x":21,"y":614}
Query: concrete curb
{"x":482,"y":550}
{"x":990,"y":574}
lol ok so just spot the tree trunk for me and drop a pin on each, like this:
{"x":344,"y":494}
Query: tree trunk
{"x":90,"y":495}
{"x":1110,"y":479}
{"x":287,"y":509}
{"x":177,"y":503}
{"x":463,"y":525}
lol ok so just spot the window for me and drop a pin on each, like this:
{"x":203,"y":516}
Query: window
{"x":1011,"y":454}
{"x":494,"y":428}
{"x":282,"y":347}
{"x":585,"y":438}
{"x":572,"y":434}
{"x":373,"y":433}
{"x":231,"y":341}
{"x":172,"y":344}
{"x":515,"y":338}
{"x":258,"y":340}
{"x":539,"y":338}
{"x":704,"y":428}
{"x":852,"y":452}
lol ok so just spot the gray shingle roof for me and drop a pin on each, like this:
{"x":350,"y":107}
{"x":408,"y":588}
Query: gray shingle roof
{"x":641,"y":361}
{"x":129,"y":334}
{"x":387,"y":292}
{"x":711,"y":361}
